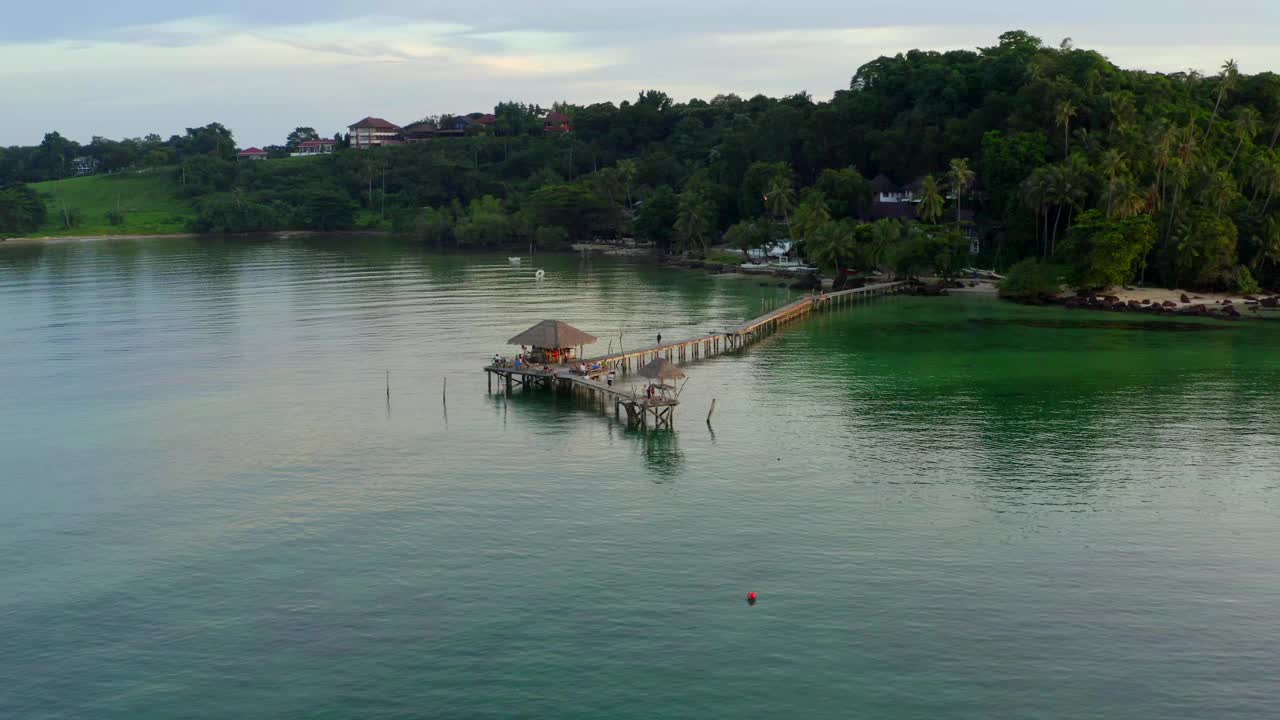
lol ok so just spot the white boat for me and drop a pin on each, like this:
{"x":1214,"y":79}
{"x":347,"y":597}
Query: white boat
{"x":513,"y":260}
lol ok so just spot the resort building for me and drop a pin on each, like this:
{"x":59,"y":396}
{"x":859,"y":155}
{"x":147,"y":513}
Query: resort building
{"x":890,"y":200}
{"x":252,"y":153}
{"x":374,"y":132}
{"x":308,"y":148}
{"x":419,"y":132}
{"x":84,"y":165}
{"x":556,"y":124}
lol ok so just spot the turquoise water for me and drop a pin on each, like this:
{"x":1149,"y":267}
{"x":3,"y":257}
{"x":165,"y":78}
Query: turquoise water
{"x":950,"y":508}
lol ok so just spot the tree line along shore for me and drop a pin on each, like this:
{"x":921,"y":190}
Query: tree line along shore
{"x":1046,"y":161}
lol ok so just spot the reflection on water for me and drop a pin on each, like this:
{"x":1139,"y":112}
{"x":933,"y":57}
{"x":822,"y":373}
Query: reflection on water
{"x":209,"y":494}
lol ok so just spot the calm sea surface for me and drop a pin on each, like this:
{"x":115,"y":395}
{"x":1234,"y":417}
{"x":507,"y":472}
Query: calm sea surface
{"x":950,"y":508}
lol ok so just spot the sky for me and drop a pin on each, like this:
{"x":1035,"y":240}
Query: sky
{"x":263,"y":67}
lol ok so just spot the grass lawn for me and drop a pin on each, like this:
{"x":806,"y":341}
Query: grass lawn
{"x":149,"y":201}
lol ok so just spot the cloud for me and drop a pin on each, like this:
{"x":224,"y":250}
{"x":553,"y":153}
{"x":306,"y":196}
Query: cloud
{"x":262,"y":68}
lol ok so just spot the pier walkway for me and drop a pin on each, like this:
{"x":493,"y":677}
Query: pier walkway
{"x":742,"y":335}
{"x":624,"y":362}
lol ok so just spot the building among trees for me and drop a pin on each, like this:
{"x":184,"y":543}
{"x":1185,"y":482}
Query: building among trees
{"x":375,"y":132}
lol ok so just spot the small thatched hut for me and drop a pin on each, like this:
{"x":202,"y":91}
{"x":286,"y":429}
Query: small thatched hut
{"x":662,"y":369}
{"x":552,"y":341}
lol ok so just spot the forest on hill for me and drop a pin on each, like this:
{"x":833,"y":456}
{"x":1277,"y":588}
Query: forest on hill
{"x":1054,"y":156}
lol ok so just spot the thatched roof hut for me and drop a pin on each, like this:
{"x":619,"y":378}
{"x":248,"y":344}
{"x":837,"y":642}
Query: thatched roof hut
{"x":661,"y":369}
{"x":552,"y":335}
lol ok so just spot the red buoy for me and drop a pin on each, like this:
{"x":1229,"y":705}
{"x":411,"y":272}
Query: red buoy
{"x":751,"y":598}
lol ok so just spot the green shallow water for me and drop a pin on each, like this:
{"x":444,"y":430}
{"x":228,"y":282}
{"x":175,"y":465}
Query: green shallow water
{"x":951,"y":508}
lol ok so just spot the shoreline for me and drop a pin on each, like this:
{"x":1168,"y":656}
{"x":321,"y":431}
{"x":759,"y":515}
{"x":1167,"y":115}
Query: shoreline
{"x":276,"y":234}
{"x":68,"y":239}
{"x":1168,"y":302}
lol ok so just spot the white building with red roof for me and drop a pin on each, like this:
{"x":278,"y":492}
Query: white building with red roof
{"x":308,"y":148}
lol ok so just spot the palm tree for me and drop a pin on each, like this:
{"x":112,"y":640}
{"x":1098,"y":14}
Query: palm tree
{"x":1066,"y":111}
{"x":961,"y":177}
{"x":1123,"y":112}
{"x":1268,"y":180}
{"x":829,"y":244}
{"x":1268,"y":246}
{"x":1248,"y":121}
{"x":1230,"y":71}
{"x":1123,"y":200}
{"x":1035,"y":193}
{"x":1162,"y":151}
{"x":1179,"y":174}
{"x":930,"y":201}
{"x":780,"y":198}
{"x":1113,"y":163}
{"x":885,"y":234}
{"x":693,"y":220}
{"x":628,"y":170}
{"x":812,"y":214}
{"x":1066,"y":191}
{"x":1220,"y":190}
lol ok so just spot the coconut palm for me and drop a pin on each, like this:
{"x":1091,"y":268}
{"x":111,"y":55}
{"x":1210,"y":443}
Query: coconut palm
{"x":693,"y":220}
{"x":1065,"y":112}
{"x":1179,"y":175}
{"x":1227,"y":79}
{"x":1248,"y":122}
{"x":829,"y":244}
{"x":1123,"y":112}
{"x":812,"y":214}
{"x":1266,"y":179}
{"x":1035,"y":193}
{"x":1113,"y":163}
{"x":960,"y":177}
{"x":931,"y":201}
{"x":1067,"y":192}
{"x":1122,"y":198}
{"x":1268,"y":246}
{"x":1161,"y":151}
{"x":627,"y":171}
{"x":885,"y":235}
{"x":781,"y":197}
{"x":1220,"y":190}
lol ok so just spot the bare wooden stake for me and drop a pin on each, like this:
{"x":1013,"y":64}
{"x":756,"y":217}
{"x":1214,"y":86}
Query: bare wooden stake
{"x":711,"y":412}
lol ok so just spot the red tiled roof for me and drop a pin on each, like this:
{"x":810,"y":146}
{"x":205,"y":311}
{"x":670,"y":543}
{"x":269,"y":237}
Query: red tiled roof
{"x":253,"y":151}
{"x":557,"y":118}
{"x":375,"y":123}
{"x":487,"y":119}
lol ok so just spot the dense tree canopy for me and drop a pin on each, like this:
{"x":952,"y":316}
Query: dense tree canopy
{"x":1052,"y":153}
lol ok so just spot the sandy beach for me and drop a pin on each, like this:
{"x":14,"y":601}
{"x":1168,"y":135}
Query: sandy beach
{"x":1175,"y":295}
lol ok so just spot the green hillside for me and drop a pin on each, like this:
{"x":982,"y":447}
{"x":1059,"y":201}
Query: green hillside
{"x":148,"y":203}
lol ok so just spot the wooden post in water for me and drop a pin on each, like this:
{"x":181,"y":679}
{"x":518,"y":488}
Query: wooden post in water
{"x":711,"y":412}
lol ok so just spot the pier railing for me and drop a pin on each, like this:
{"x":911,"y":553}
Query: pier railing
{"x":748,"y":332}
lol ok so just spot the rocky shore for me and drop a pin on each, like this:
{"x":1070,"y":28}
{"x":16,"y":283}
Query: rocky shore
{"x":1185,"y":305}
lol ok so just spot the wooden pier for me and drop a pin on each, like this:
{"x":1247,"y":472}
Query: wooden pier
{"x":660,"y":410}
{"x":739,"y":337}
{"x":639,"y":408}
